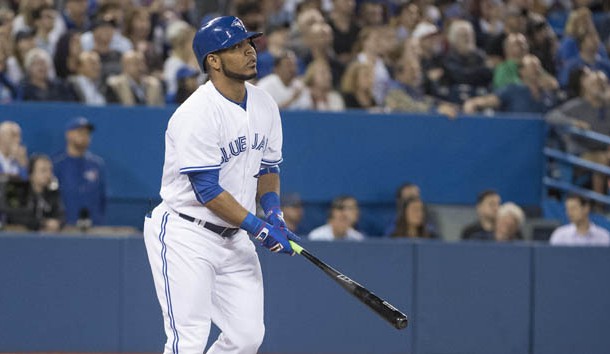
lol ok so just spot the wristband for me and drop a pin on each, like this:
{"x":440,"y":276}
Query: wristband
{"x":252,"y":224}
{"x":270,"y":201}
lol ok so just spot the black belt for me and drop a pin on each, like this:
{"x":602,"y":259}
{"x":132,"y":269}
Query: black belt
{"x":221,"y":230}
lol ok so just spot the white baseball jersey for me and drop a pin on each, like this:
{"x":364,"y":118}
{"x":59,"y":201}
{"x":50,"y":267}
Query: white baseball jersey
{"x":207,"y":132}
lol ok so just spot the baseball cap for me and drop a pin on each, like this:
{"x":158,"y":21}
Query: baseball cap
{"x":186,"y":72}
{"x":79,"y":122}
{"x":424,"y":29}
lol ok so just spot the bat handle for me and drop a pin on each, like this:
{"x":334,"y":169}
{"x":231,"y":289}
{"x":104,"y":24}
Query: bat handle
{"x":296,"y":247}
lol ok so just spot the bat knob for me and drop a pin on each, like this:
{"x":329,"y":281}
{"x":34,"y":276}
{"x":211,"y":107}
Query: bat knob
{"x":401,"y":322}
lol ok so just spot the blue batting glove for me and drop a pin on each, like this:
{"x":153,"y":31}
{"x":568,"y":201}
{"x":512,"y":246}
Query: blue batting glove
{"x":269,"y":236}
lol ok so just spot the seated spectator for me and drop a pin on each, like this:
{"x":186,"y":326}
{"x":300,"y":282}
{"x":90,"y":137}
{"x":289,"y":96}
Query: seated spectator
{"x":465,"y":69}
{"x":284,"y":86}
{"x":15,"y":64}
{"x":537,"y":92}
{"x":405,"y":191}
{"x":40,"y":208}
{"x":406,"y":93}
{"x":543,"y":43}
{"x":81,"y":175}
{"x":581,"y":231}
{"x":507,"y":72}
{"x":138,"y":29}
{"x":343,"y":216}
{"x":412,"y":221}
{"x":13,"y":155}
{"x":180,"y":37}
{"x":110,"y":15}
{"x":407,"y":17}
{"x":515,"y":21}
{"x":488,"y":203}
{"x":430,"y":43}
{"x":133,"y":86}
{"x":370,"y":51}
{"x":357,"y":86}
{"x":588,"y":44}
{"x":580,"y":22}
{"x":277,"y":43}
{"x":66,"y":55}
{"x":25,"y":20}
{"x":43,"y":18}
{"x":319,"y":44}
{"x":8,"y":89}
{"x":37,"y":86}
{"x":318,"y":79}
{"x":509,"y":222}
{"x":371,"y":13}
{"x":87,"y":84}
{"x":345,"y":29}
{"x":292,"y":207}
{"x":102,"y":32}
{"x":187,"y":83}
{"x":490,"y":22}
{"x":75,"y":16}
{"x":590,"y":110}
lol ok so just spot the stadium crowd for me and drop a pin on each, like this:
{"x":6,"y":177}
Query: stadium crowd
{"x":437,"y":56}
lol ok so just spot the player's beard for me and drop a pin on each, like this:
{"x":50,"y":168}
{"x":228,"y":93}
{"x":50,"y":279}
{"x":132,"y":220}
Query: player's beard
{"x":237,"y":76}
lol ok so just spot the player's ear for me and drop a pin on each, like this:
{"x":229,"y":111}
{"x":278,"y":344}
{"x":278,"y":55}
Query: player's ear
{"x":213,"y":61}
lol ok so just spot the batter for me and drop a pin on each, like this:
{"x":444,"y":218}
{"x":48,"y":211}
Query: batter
{"x":223,"y":147}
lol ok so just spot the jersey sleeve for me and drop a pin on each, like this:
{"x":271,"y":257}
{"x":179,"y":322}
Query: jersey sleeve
{"x":197,"y":140}
{"x":272,"y":155}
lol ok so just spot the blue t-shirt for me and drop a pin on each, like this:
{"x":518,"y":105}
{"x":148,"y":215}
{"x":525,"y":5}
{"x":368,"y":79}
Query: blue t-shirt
{"x":517,"y":98}
{"x":82,"y":183}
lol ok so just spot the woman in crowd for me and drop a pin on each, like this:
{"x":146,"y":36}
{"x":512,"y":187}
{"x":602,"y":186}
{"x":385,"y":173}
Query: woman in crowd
{"x":318,"y":78}
{"x":357,"y":86}
{"x":412,"y":221}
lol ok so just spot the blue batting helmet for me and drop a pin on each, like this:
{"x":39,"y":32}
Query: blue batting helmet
{"x":217,"y":34}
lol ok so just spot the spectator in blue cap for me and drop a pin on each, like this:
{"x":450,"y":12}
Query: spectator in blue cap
{"x":81,"y":175}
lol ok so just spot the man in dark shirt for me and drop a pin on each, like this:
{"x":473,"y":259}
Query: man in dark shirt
{"x":488,"y":203}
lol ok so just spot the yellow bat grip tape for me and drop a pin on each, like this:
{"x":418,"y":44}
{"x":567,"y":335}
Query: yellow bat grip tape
{"x":295,"y":246}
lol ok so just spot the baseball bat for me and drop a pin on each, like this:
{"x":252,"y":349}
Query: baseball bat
{"x":378,"y":305}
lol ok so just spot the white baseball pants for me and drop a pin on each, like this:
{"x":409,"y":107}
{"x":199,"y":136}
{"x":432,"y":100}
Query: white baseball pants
{"x":202,"y":277}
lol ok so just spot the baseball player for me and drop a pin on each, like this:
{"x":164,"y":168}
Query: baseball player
{"x":223,"y":146}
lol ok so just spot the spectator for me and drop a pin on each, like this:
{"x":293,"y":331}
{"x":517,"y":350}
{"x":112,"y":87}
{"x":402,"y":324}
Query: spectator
{"x":319,"y":42}
{"x":543,"y":43}
{"x":25,"y":20}
{"x":588,"y":44}
{"x":292,"y":207}
{"x":109,"y":14}
{"x":488,"y":203}
{"x":537,"y":92}
{"x":344,"y":27}
{"x":465,"y":68}
{"x":581,"y":231}
{"x":102,"y":32}
{"x":133,"y":86}
{"x":180,"y":37}
{"x":187,"y":84}
{"x":306,"y":18}
{"x":75,"y":15}
{"x":41,"y":208}
{"x":431,"y":52}
{"x":318,"y":79}
{"x":357,"y":86}
{"x":408,"y":15}
{"x":406,"y":93}
{"x":284,"y":86}
{"x":342,"y":217}
{"x":371,"y":13}
{"x":369,"y":51}
{"x":66,"y":54}
{"x":43,"y":18}
{"x":15,"y":64}
{"x":277,"y":42}
{"x":13,"y":155}
{"x":580,"y":22}
{"x":87,"y":83}
{"x":8,"y":90}
{"x":37,"y":86}
{"x":411,"y":220}
{"x":405,"y":191}
{"x":489,"y":21}
{"x":590,"y":110}
{"x":509,"y":222}
{"x":138,"y":29}
{"x":507,"y":72}
{"x":515,"y":21}
{"x":81,"y":175}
